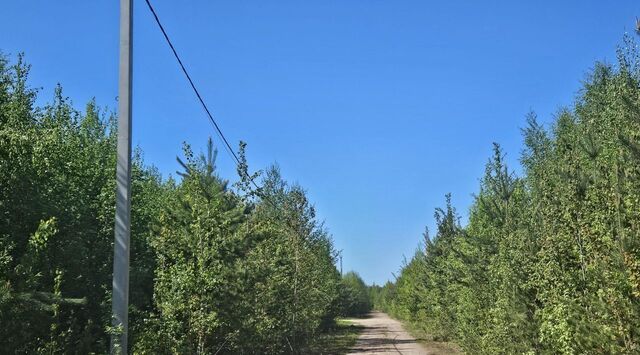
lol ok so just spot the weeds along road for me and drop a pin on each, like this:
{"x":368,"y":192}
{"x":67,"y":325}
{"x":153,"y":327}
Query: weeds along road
{"x":383,"y":335}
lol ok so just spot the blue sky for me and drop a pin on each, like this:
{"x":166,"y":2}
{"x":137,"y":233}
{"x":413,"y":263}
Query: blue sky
{"x":377,"y":108}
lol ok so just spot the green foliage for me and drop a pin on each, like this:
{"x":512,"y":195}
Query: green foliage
{"x":548,"y":262}
{"x":213,"y":268}
{"x":354,"y":295}
{"x":56,"y":222}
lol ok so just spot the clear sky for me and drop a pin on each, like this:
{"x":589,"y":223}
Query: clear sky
{"x":377,"y":108}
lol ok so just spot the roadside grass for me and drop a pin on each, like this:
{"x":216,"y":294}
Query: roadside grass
{"x":429,"y":342}
{"x":338,"y":340}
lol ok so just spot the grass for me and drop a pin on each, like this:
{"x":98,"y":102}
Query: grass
{"x":428,"y":341}
{"x":338,"y":340}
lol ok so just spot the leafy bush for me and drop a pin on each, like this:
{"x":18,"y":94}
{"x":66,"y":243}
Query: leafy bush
{"x":354,"y":295}
{"x":549,"y":261}
{"x":214,"y":267}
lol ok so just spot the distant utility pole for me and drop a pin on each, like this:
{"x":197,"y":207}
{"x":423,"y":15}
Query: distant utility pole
{"x":120,"y":295}
{"x":340,"y":256}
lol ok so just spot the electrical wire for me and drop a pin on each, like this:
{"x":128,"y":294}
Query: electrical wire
{"x":193,"y":86}
{"x":218,"y":130}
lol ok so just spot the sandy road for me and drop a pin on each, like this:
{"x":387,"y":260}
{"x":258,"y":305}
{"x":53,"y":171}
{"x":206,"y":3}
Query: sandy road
{"x":383,"y":335}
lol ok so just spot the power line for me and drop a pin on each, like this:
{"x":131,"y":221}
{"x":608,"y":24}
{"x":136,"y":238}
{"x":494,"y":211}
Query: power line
{"x":241,"y":169}
{"x":227,"y":146}
{"x":193,"y":86}
{"x":204,"y":105}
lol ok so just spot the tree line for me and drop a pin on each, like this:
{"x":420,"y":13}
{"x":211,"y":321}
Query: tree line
{"x":215,"y":266}
{"x":549,"y":261}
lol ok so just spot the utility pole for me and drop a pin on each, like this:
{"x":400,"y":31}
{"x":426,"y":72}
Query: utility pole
{"x":340,"y":256}
{"x":120,"y":295}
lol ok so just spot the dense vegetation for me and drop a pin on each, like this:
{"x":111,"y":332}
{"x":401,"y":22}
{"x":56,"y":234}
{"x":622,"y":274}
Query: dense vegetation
{"x":549,"y":261}
{"x":214,"y":266}
{"x":355,"y":299}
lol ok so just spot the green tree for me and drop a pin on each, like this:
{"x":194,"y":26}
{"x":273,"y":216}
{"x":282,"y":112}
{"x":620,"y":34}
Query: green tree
{"x":354,"y":296}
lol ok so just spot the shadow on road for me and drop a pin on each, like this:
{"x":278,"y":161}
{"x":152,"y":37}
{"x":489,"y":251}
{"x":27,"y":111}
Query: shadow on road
{"x":384,"y":335}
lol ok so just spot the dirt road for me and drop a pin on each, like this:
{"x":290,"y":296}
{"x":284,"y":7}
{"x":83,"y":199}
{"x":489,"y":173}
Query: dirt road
{"x":383,"y":335}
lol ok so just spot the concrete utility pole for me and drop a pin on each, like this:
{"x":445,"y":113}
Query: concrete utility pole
{"x":120,"y":297}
